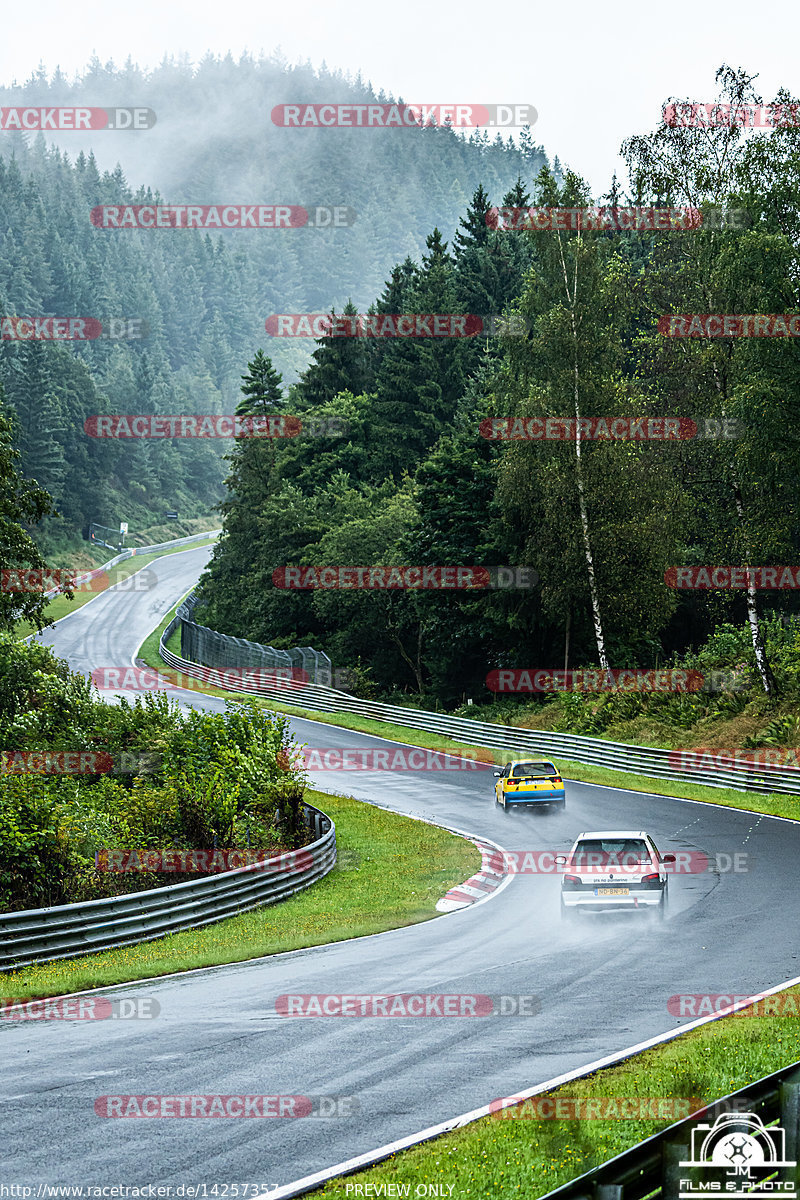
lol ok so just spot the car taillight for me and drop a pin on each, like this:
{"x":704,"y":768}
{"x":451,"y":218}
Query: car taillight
{"x":556,"y":779}
{"x":572,"y":881}
{"x":651,"y":880}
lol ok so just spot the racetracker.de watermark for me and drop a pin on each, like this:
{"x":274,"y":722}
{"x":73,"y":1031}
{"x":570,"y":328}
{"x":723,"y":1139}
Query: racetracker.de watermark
{"x":395,"y":325}
{"x":704,"y":1004}
{"x":753,"y":116}
{"x":597,"y":429}
{"x":79,"y":762}
{"x":594,"y":1108}
{"x":30,"y":120}
{"x":61,"y":579}
{"x":544,"y":862}
{"x":222,"y":216}
{"x":548,"y":679}
{"x":139,"y":679}
{"x":445,"y":579}
{"x":616,"y":220}
{"x":72,"y":329}
{"x":401,"y":116}
{"x":705,"y":758}
{"x":226,"y":1106}
{"x":184,"y":862}
{"x":81,"y":1008}
{"x":733,"y":578}
{"x":403,"y":758}
{"x":724,"y":325}
{"x":407,"y":1004}
{"x":204,"y":425}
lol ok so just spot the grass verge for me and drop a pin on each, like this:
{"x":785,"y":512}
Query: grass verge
{"x":61,"y":606}
{"x":525,"y":1154}
{"x":403,"y":868}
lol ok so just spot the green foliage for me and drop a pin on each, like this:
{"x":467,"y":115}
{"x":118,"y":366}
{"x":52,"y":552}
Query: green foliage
{"x":206,"y":780}
{"x":35,"y":860}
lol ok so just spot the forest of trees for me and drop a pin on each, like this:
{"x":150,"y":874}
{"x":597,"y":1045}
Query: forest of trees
{"x":414,"y":482}
{"x":203,"y":298}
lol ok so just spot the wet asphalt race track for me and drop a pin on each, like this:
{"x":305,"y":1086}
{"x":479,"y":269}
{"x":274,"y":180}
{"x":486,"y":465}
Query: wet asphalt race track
{"x":603,"y":984}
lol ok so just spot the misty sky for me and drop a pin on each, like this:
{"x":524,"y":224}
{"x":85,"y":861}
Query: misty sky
{"x":595,"y":71}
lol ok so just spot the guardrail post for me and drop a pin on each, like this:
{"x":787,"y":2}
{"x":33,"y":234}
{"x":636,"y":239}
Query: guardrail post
{"x":672,"y":1154}
{"x":608,"y":1191}
{"x":790,"y":1121}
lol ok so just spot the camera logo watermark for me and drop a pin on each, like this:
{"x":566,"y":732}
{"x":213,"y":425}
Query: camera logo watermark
{"x":184,"y":862}
{"x":221,"y":216}
{"x":33,"y":120}
{"x":723,"y":325}
{"x":399,"y":578}
{"x":407,"y":1005}
{"x":81,"y":1008}
{"x":752,"y":116}
{"x":594,"y":1108}
{"x":401,"y":116}
{"x":742,"y":1155}
{"x":226,"y":1106}
{"x":231,"y":679}
{"x":544,"y":679}
{"x":395,"y":325}
{"x":733,"y":578}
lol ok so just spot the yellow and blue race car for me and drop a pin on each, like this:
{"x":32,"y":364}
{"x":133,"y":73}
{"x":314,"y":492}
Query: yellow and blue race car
{"x":529,"y":781}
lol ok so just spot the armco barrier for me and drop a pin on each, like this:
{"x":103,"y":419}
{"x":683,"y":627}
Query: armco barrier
{"x":618,"y":756}
{"x":651,"y":1168}
{"x":68,"y":930}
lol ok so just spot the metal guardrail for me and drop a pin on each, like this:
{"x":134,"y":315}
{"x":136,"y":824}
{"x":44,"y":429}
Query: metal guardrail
{"x":617,"y":756}
{"x":651,"y":1168}
{"x":68,"y":930}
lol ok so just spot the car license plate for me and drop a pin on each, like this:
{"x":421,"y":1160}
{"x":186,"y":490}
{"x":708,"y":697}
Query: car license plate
{"x":612,"y":891}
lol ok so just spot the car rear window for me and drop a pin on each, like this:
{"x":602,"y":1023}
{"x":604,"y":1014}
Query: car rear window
{"x":533,"y":771}
{"x":622,"y":853}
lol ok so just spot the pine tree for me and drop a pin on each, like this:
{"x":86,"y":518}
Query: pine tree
{"x":476,"y":231}
{"x":339,"y":364}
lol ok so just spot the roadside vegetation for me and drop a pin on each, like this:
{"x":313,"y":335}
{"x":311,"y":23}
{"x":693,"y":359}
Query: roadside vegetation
{"x":141,"y":776}
{"x":390,"y":872}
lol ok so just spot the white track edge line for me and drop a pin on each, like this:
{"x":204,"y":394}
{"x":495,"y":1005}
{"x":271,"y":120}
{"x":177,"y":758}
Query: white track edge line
{"x":166,"y":554}
{"x":310,"y":1182}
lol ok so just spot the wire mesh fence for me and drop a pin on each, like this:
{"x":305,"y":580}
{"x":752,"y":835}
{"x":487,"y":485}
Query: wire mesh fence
{"x":209,"y":647}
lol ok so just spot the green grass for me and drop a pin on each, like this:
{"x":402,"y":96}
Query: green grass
{"x":61,"y":606}
{"x":774,"y":803}
{"x":402,"y":868}
{"x":520,"y":1155}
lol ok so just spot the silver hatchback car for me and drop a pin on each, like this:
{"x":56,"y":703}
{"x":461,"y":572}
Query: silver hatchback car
{"x":614,"y":869}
